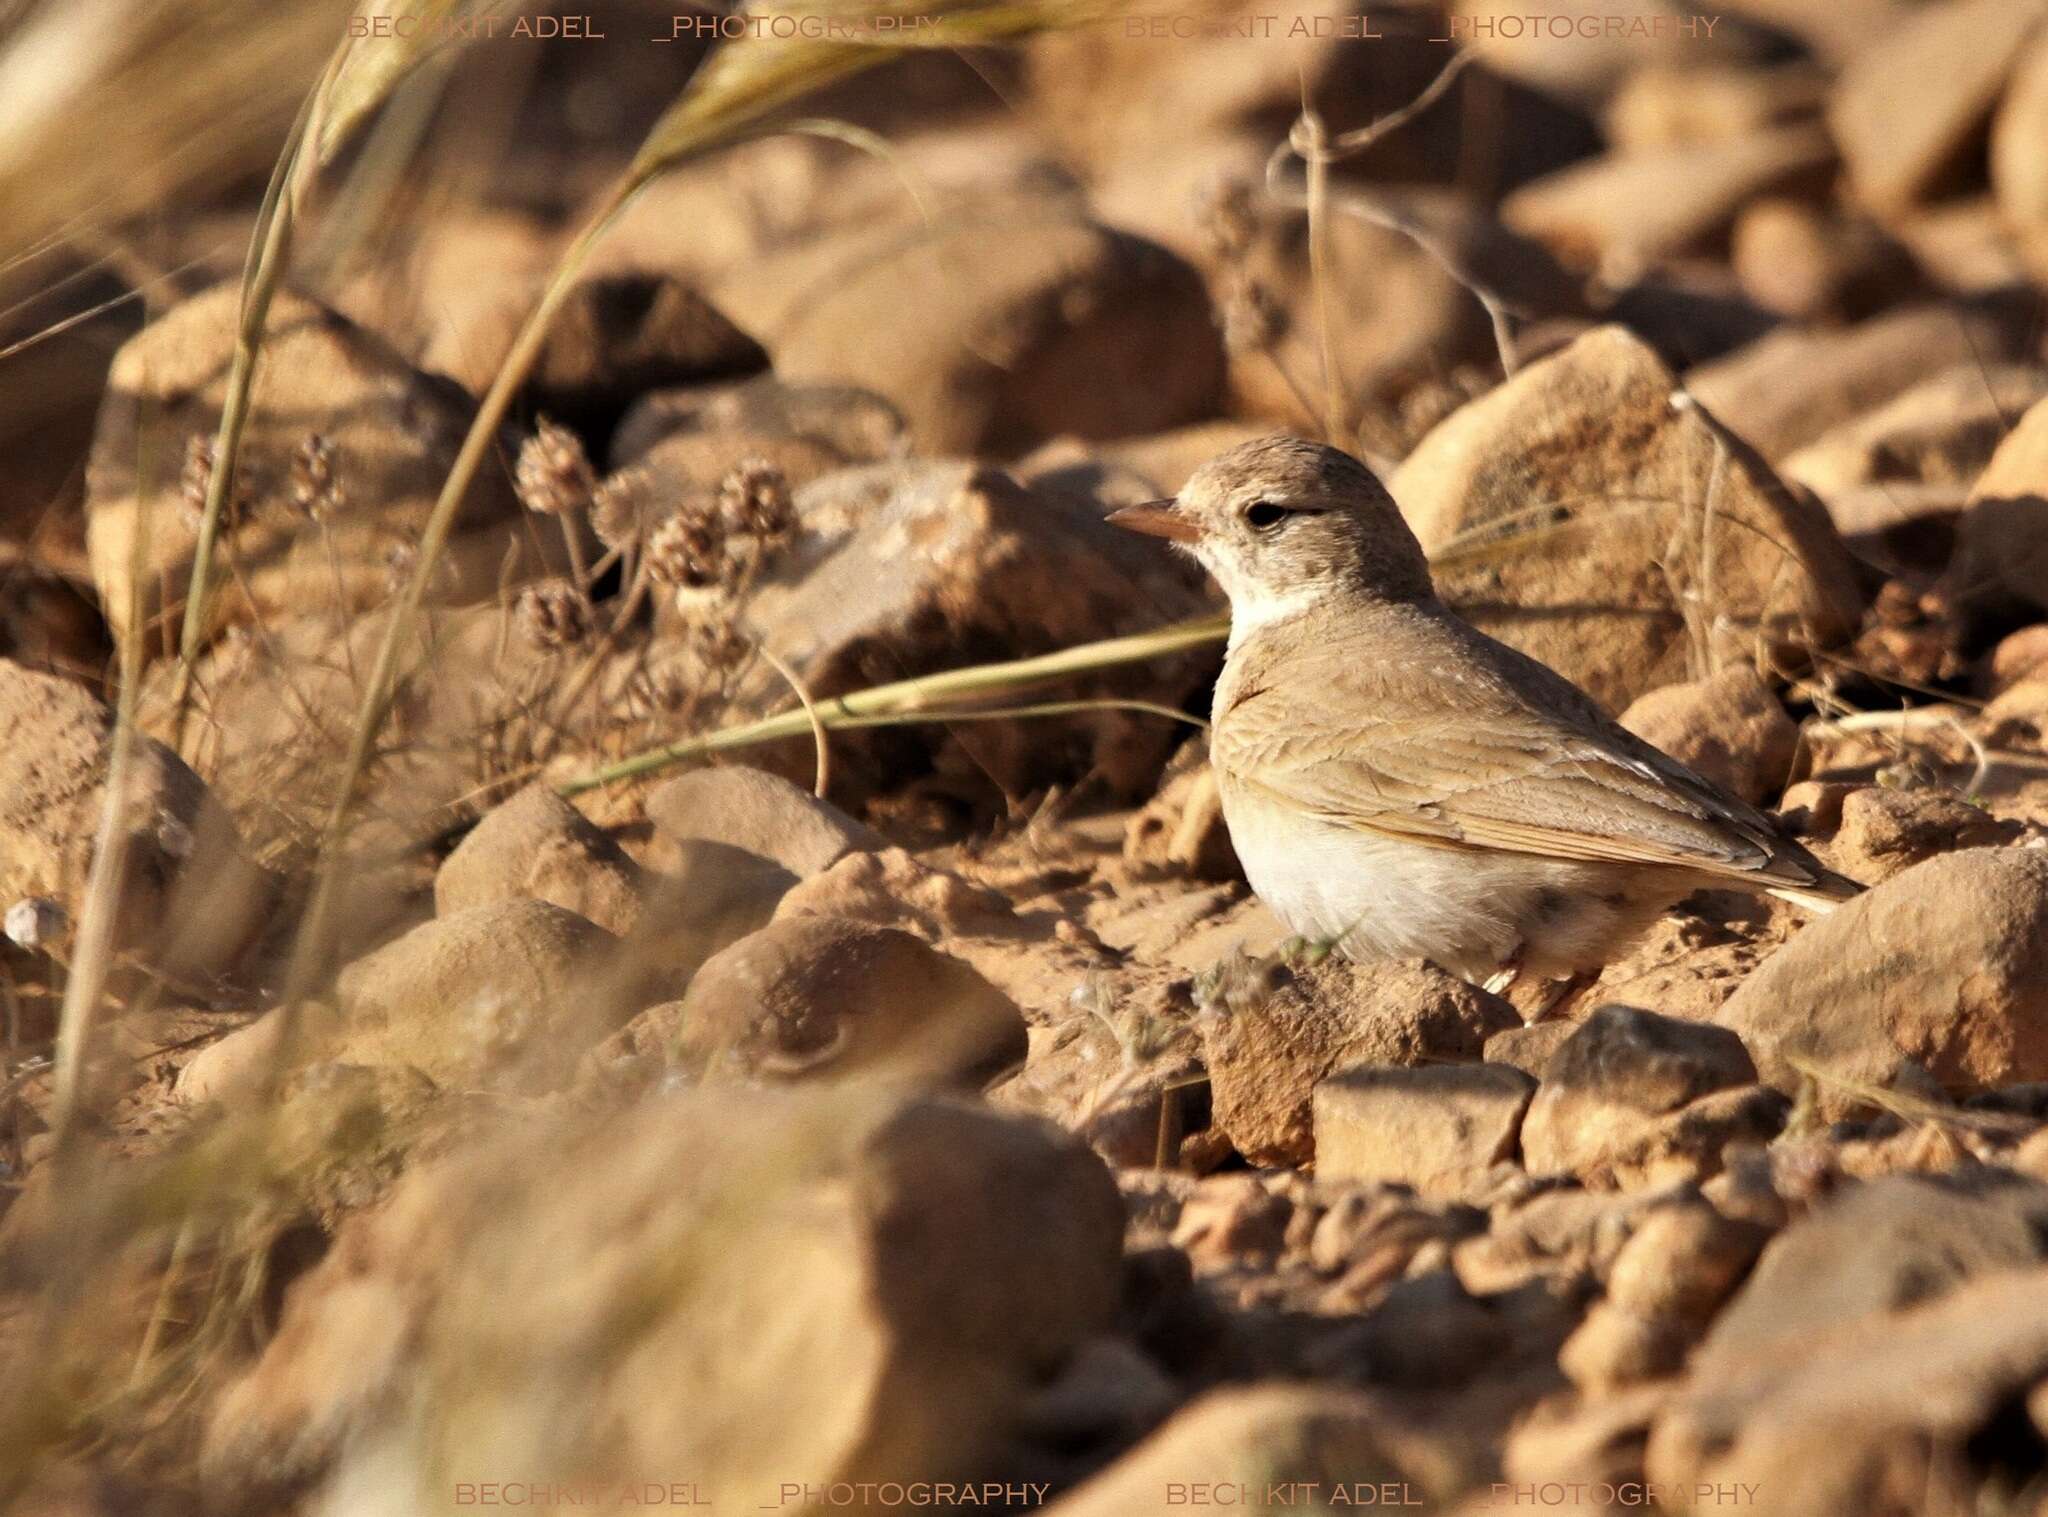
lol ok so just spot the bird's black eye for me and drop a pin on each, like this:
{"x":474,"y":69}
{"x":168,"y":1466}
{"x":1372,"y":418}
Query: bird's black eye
{"x":1263,"y":515}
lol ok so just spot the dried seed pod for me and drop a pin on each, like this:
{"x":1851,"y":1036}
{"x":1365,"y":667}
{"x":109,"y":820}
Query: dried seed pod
{"x":553,"y":615}
{"x":315,"y":482}
{"x":619,"y":507}
{"x":553,"y":475}
{"x":688,"y":550}
{"x":716,"y":644}
{"x":754,"y":498}
{"x":196,"y":478}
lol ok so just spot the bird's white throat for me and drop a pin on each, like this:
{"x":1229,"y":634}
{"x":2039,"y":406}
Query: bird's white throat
{"x":1262,"y":608}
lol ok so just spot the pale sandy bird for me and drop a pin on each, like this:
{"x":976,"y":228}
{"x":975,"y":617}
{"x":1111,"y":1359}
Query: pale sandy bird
{"x":1397,"y":782}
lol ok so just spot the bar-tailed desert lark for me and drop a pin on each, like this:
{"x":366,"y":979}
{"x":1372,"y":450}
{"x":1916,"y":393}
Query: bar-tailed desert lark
{"x":1400,"y":784}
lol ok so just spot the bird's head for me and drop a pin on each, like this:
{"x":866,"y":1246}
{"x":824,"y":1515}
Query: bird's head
{"x":1280,"y":520}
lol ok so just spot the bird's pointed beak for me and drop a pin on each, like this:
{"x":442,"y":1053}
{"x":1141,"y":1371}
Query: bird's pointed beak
{"x":1156,"y":518}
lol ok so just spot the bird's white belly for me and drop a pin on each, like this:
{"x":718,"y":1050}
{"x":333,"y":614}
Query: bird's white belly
{"x":1379,"y":897}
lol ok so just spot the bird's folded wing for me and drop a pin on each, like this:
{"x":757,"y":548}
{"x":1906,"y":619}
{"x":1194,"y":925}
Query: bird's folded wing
{"x":1520,"y":781}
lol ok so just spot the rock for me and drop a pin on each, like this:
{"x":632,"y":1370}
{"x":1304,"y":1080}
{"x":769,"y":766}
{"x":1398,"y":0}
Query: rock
{"x":820,"y":998}
{"x":1271,"y":1032}
{"x":1181,"y":830}
{"x":1441,"y":1128}
{"x":1900,"y":528}
{"x":2019,"y":714}
{"x":1003,"y":322}
{"x":892,"y":889}
{"x":1624,"y":211}
{"x":762,"y":813}
{"x":1166,"y":459}
{"x":1806,"y":262}
{"x":2019,"y":167}
{"x":1895,"y":1412}
{"x":940,"y":1259}
{"x":1123,"y":1071}
{"x":1945,"y":964}
{"x":48,"y":620}
{"x":997,"y":571}
{"x":1365,"y":1225}
{"x":536,"y":846}
{"x":1963,"y":246}
{"x":275,"y":712}
{"x":1999,"y":575}
{"x":1413,"y":327}
{"x":1943,"y":430}
{"x":393,"y":432}
{"x":1636,"y":1097}
{"x":1729,"y":727}
{"x":1884,"y":831}
{"x":1529,"y":1048}
{"x":1678,"y":104}
{"x":454,"y":303}
{"x":505,"y":994}
{"x":1109,"y":1395}
{"x":2021,"y":657}
{"x":710,"y":895}
{"x":1792,"y":387}
{"x":619,"y":334}
{"x":1613,"y":616}
{"x":1909,"y":106}
{"x":1682,"y":1262}
{"x":1613,"y":1348}
{"x":1587,"y":1440}
{"x":1227,"y":1219}
{"x":234,"y":1068}
{"x":843,"y":422}
{"x":1556,"y":1233}
{"x":191,"y":903}
{"x":1255,"y":1438}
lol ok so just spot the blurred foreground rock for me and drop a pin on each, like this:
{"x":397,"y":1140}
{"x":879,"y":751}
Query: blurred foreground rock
{"x":924,"y":1265}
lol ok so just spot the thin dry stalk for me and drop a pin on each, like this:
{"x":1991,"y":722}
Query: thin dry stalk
{"x":1305,"y":142}
{"x":99,"y":917}
{"x":1309,"y":141}
{"x":269,"y":251}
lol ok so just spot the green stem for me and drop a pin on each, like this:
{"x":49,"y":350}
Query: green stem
{"x":922,"y":699}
